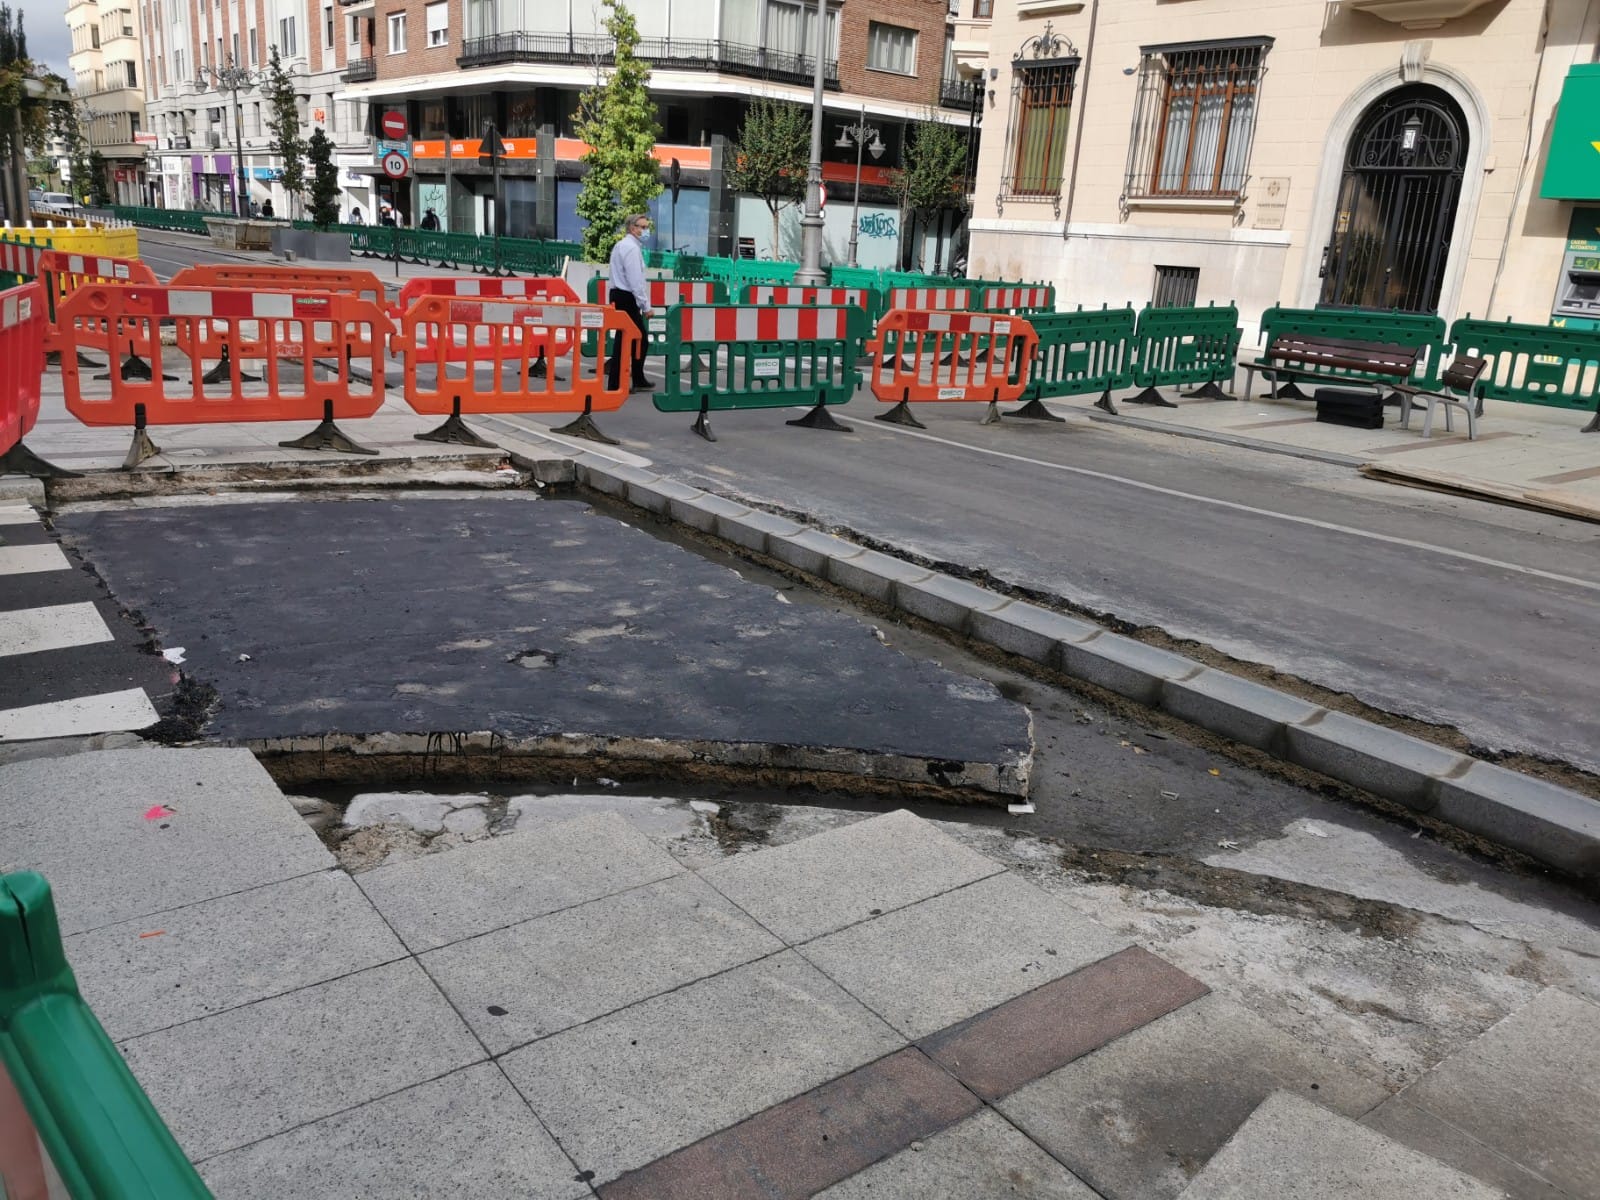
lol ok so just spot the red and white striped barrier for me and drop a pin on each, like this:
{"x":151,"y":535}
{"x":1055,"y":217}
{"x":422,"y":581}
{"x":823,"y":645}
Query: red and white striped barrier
{"x":741,"y":323}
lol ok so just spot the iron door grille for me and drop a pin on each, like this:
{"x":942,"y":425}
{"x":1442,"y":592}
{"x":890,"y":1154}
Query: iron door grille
{"x":1176,"y":287}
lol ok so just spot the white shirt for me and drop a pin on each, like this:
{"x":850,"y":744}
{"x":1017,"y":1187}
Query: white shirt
{"x":627,"y":271}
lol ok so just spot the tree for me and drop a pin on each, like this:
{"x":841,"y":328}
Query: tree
{"x":324,"y":181}
{"x":933,"y":174}
{"x":287,"y":144}
{"x":617,"y":118}
{"x":67,"y":122}
{"x":29,"y":98}
{"x":97,"y":187}
{"x":772,"y":156}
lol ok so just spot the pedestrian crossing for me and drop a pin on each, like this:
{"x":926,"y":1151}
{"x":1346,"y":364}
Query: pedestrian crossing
{"x":64,"y":669}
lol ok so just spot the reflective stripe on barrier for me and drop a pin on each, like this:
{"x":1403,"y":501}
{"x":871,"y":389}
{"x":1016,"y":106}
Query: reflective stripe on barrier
{"x":345,"y":280}
{"x":1185,"y":345}
{"x":22,"y":330}
{"x":1533,"y":364}
{"x":954,"y":356}
{"x":1081,"y":353}
{"x":303,"y":343}
{"x":62,"y":274}
{"x":868,"y":300}
{"x":1017,"y":299}
{"x":19,"y":258}
{"x":535,"y":287}
{"x":502,"y":342}
{"x":664,"y":293}
{"x":935,"y":299}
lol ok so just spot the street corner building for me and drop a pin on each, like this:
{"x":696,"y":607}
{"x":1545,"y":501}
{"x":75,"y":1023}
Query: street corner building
{"x":1427,"y":156}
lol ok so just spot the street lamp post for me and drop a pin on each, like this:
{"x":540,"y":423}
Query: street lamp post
{"x":860,"y":133}
{"x":232,"y":77}
{"x":810,"y":273}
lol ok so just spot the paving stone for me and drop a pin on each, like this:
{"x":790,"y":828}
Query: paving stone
{"x":983,"y":1156}
{"x":1140,"y":1116}
{"x":875,"y":575}
{"x":1529,"y":1088}
{"x":442,"y":898}
{"x":628,"y":1088}
{"x":946,"y":601}
{"x":1030,"y":631}
{"x":792,"y":1150}
{"x":1124,"y":666}
{"x":1382,"y":761}
{"x":246,"y":1074}
{"x":656,"y":495}
{"x":79,"y":821}
{"x":1543,"y":820}
{"x":834,"y":879}
{"x":170,"y":967}
{"x":951,"y":957}
{"x":544,"y":975}
{"x":1291,"y":1149}
{"x":752,"y":529}
{"x":1235,"y":708}
{"x":1424,"y":1132}
{"x":424,"y":812}
{"x":465,"y":1134}
{"x":811,"y":551}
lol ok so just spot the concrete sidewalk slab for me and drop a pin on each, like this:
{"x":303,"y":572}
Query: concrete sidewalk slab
{"x":628,"y":1088}
{"x":537,"y":978}
{"x":80,"y":822}
{"x":228,"y":1080}
{"x":1291,"y":1149}
{"x":170,"y":967}
{"x":950,"y":957}
{"x":1141,"y":1115}
{"x":443,"y":898}
{"x":844,"y":876}
{"x":464,"y":1134}
{"x":1422,"y":1131}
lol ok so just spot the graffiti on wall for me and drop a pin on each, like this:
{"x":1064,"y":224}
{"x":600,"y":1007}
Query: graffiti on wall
{"x":877,"y":225}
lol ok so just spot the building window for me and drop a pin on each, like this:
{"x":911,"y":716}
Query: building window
{"x":438,"y":23}
{"x":891,"y":48}
{"x":397,"y":33}
{"x":791,"y":28}
{"x":1195,"y":119}
{"x":482,"y":18}
{"x":1176,"y":287}
{"x":251,"y":36}
{"x":286,"y":40}
{"x":236,"y":57}
{"x":327,"y":22}
{"x":1043,"y":73}
{"x":133,"y":74}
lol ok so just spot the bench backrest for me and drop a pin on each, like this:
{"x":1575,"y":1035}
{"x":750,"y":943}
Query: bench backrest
{"x":1424,"y":330}
{"x":1340,"y":354}
{"x":1462,"y":374}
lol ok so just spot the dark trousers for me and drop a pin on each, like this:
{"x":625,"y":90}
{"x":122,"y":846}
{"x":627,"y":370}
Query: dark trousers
{"x":624,"y":302}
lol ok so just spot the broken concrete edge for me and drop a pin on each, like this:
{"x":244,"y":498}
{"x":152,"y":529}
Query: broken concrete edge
{"x":492,"y":757}
{"x":1549,"y":823}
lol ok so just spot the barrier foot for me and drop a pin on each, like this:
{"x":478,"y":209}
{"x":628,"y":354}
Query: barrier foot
{"x":1211,"y":390}
{"x":900,"y":414}
{"x":19,"y":460}
{"x":1290,"y":391}
{"x":702,"y":423}
{"x":142,"y":447}
{"x":820,"y":418}
{"x":220,"y":372}
{"x":1594,"y":422}
{"x":538,"y":370}
{"x":1035,"y":410}
{"x":1153,"y":397}
{"x":1105,"y":405}
{"x":992,"y":417}
{"x":454,"y":431}
{"x":327,"y":436}
{"x":584,"y":427}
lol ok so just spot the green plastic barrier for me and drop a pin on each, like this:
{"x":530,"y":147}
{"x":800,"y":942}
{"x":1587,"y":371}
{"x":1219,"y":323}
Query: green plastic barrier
{"x":734,"y":356}
{"x":869,"y":300}
{"x":664,"y":293}
{"x":864,"y":277}
{"x":102,"y":1134}
{"x":1185,"y":345}
{"x":1081,"y":353}
{"x":1534,"y":364}
{"x":1384,"y":327}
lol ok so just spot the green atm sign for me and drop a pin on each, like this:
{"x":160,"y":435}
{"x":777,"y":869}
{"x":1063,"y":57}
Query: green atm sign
{"x":1572,"y":172}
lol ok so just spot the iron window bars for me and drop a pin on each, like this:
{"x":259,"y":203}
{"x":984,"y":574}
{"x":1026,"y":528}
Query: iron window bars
{"x":1043,"y":72}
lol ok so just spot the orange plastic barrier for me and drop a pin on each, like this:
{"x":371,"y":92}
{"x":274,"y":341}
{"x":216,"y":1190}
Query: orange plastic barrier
{"x":22,"y":326}
{"x":345,"y":280}
{"x":63,"y":273}
{"x":952,"y":356}
{"x":534,"y":287}
{"x":480,"y":356}
{"x":308,"y":347}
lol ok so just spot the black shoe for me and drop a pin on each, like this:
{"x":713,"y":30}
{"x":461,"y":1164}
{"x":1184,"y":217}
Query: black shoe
{"x":644,"y":385}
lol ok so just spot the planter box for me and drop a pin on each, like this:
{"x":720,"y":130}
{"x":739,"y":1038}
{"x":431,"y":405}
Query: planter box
{"x":312,"y":245}
{"x":239,"y":235}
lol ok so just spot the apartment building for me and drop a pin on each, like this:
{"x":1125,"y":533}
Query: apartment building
{"x":205,"y":65}
{"x":1424,"y":155}
{"x":452,"y":68}
{"x":106,"y":67}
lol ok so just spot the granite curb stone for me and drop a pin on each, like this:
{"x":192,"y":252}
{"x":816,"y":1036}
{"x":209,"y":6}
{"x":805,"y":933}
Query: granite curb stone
{"x":812,"y":551}
{"x":946,"y":600}
{"x":875,"y":575}
{"x":703,"y":511}
{"x":752,"y":529}
{"x":1383,"y":761}
{"x":1032,"y":632}
{"x":1235,"y":708}
{"x":1128,"y":668}
{"x":657,"y":494}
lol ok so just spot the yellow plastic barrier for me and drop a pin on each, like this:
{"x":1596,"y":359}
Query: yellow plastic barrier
{"x":105,"y":243}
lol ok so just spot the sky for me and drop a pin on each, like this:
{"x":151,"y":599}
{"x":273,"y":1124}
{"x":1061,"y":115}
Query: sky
{"x":45,"y":23}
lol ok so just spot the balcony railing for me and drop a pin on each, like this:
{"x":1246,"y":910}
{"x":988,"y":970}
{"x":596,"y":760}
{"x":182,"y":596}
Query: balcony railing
{"x":959,"y":93}
{"x":360,"y":70}
{"x":728,"y":58}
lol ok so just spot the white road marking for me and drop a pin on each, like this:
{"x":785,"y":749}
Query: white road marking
{"x":1426,"y":547}
{"x":110,"y":712}
{"x":29,"y":560}
{"x":30,"y":630}
{"x":17,"y":514}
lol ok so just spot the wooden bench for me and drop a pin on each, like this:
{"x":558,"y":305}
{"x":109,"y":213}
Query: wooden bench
{"x":1460,"y":381}
{"x":1320,"y":359}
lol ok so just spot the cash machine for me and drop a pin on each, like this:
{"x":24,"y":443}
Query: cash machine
{"x":1577,"y":302}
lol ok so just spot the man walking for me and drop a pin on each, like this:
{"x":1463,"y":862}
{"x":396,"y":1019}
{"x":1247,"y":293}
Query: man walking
{"x":630,"y":294}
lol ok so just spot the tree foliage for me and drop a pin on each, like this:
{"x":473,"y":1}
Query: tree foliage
{"x":98,"y":189}
{"x":772,"y":155}
{"x":933,"y":172}
{"x":67,"y":122}
{"x":27,"y":91}
{"x":617,"y":118}
{"x":287,"y":143}
{"x":324,"y":180}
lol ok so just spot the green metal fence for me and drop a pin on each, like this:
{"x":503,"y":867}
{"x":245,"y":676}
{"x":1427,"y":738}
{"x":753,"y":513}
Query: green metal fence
{"x":102,"y":1134}
{"x":1175,"y":346}
{"x":1533,"y":364}
{"x":177,"y":220}
{"x":1081,"y":353}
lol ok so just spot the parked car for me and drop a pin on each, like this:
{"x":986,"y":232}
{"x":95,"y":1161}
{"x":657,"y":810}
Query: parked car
{"x":58,"y":203}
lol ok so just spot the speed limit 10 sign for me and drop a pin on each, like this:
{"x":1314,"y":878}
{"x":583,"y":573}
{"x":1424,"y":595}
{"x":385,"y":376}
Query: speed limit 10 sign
{"x":395,"y":165}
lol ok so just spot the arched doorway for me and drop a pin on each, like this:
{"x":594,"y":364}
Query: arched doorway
{"x":1390,"y":242}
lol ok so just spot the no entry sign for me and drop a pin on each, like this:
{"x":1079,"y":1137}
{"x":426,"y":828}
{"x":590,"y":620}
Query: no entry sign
{"x":394,"y":125}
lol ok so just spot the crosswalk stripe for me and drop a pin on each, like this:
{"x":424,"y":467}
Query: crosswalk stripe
{"x":30,"y":630}
{"x":28,"y":560}
{"x":17,"y":514}
{"x":105,"y":713}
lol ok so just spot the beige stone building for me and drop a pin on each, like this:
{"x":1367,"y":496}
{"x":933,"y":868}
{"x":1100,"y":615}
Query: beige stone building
{"x":1414,"y":154}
